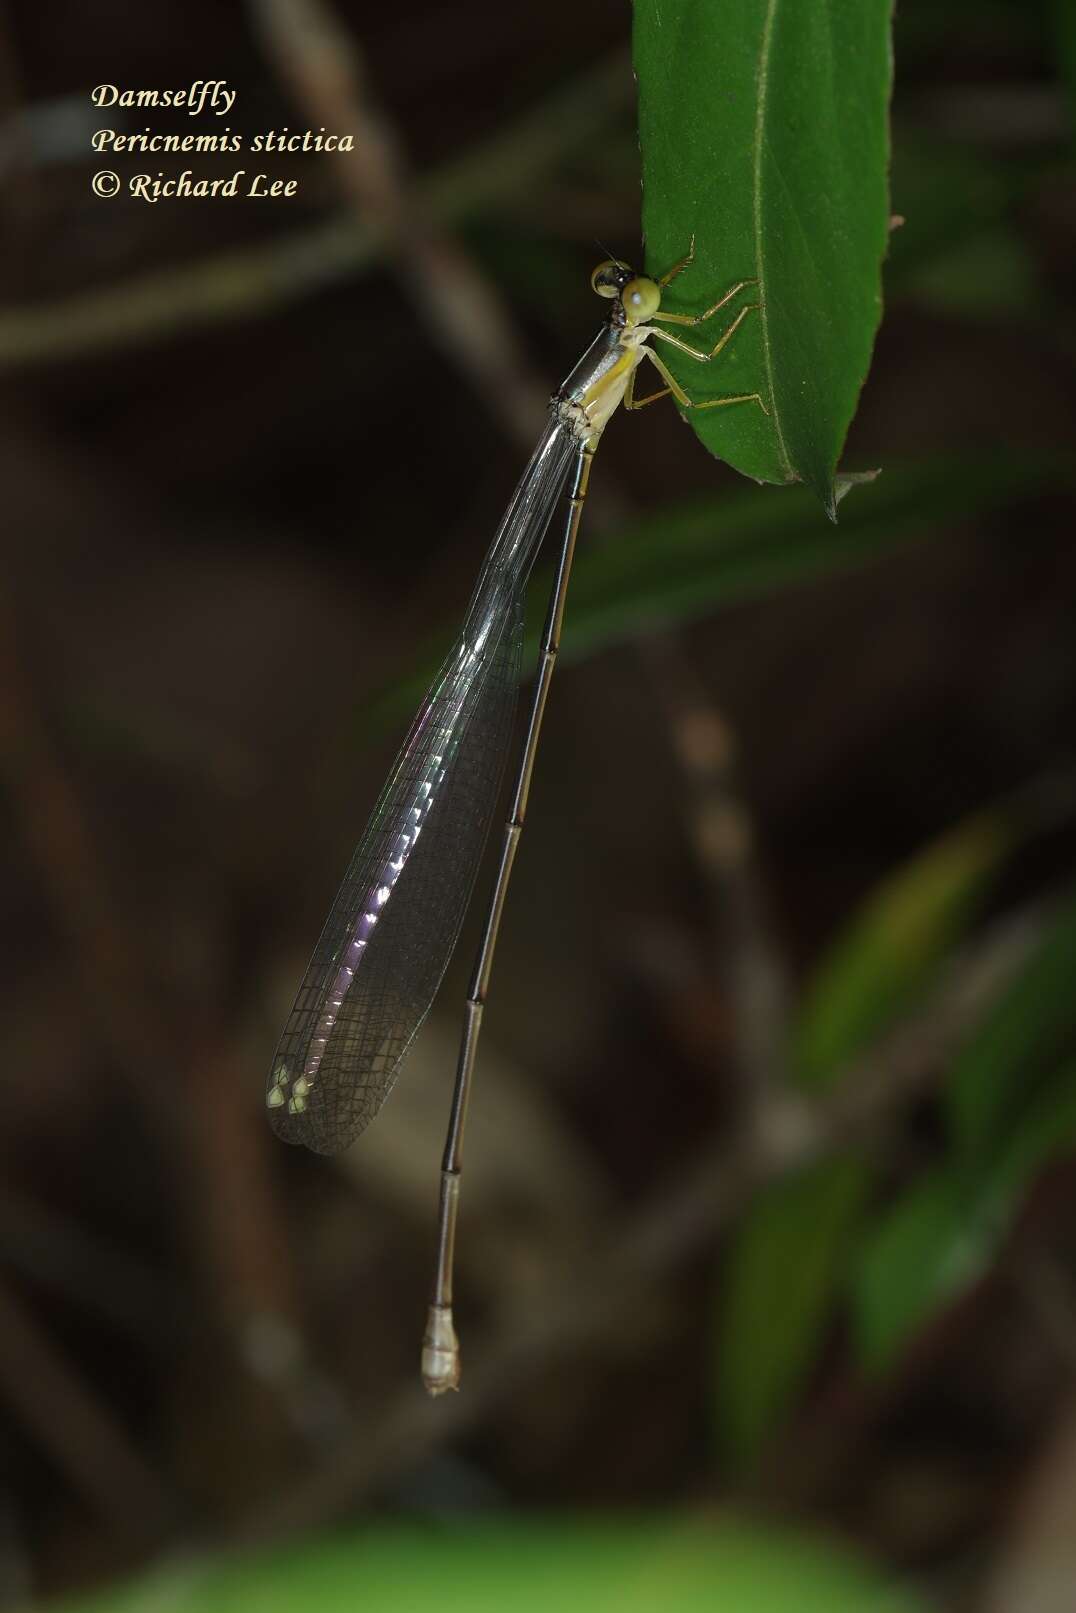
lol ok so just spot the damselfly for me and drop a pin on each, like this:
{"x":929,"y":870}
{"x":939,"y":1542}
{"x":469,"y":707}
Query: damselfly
{"x":394,"y":923}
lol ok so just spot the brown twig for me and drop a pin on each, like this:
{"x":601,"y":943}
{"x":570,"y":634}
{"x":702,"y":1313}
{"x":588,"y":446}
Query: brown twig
{"x":165,"y":1072}
{"x":82,"y":1437}
{"x":54,"y":829}
{"x":1050,"y":1294}
{"x":1036,"y":1567}
{"x":322,"y":65}
{"x":723,"y":839}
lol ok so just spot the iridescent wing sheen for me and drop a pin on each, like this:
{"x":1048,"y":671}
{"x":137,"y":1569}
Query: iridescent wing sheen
{"x":396,"y":918}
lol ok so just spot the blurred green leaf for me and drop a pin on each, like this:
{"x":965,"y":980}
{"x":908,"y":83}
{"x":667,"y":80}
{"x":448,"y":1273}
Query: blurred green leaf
{"x":989,"y":273}
{"x":780,"y":1279}
{"x":789,"y":1261}
{"x":891,"y":949}
{"x":528,"y":1568}
{"x":945,"y":193}
{"x":764,"y":134}
{"x":943,"y":1235}
{"x":924,"y":1249}
{"x":679,"y":562}
{"x":1022,"y":1036}
{"x":1064,"y":21}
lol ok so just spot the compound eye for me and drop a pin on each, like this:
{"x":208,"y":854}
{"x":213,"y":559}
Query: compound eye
{"x":642,"y":299}
{"x":608,"y":277}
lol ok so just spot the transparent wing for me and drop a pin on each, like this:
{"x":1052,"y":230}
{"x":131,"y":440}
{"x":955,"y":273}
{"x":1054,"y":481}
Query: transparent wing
{"x":395,"y":921}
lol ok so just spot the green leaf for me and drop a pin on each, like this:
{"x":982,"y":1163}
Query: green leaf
{"x":781,"y":1277}
{"x":764,"y":135}
{"x":687,"y":557}
{"x":943,"y":1235}
{"x":591,"y":1568}
{"x":891,"y":949}
{"x":1022,"y":1036}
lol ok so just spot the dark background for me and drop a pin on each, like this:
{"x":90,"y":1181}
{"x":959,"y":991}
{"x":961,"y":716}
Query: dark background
{"x":229,"y":529}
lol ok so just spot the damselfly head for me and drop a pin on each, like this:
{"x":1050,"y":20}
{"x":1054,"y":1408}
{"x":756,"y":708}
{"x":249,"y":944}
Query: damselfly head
{"x":639,"y":297}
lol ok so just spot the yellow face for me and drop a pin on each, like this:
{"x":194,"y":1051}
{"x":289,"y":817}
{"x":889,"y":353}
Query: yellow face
{"x":641,"y":298}
{"x":639,"y":295}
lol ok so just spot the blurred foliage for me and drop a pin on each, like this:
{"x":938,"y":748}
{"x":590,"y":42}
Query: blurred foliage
{"x":1064,"y":21}
{"x":749,"y":147}
{"x":678,"y":1567}
{"x":1022,"y":1037}
{"x":987,"y":273}
{"x":946,"y":1230}
{"x":780,"y":1278}
{"x":1011,"y":1107}
{"x":1011,"y":1099}
{"x":789,"y":1261}
{"x":687,"y":558}
{"x":943,"y":193}
{"x":891,"y":950}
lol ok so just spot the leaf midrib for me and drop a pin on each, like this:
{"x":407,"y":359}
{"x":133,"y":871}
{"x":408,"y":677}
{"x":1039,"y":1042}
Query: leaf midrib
{"x":765,"y":48}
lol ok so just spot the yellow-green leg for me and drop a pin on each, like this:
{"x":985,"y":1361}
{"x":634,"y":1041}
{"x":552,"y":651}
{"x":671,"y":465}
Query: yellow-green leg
{"x":672,"y":385}
{"x":704,"y":358}
{"x":697,"y":319}
{"x":632,"y":402}
{"x":678,"y":268}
